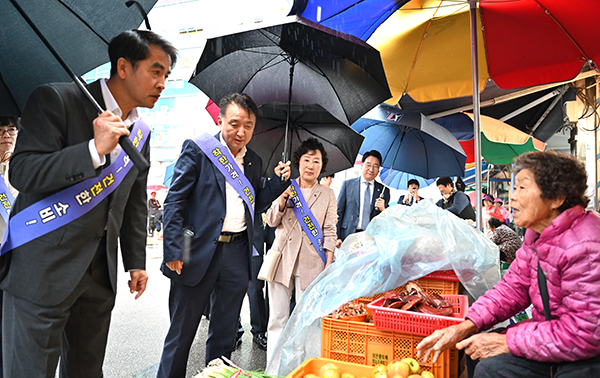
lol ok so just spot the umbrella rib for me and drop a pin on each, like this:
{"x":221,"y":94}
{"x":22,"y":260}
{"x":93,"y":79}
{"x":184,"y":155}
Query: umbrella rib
{"x":414,"y":63}
{"x":341,"y":11}
{"x":9,"y":94}
{"x":286,"y":56}
{"x":264,"y":67}
{"x":589,"y":61}
{"x":83,"y":21}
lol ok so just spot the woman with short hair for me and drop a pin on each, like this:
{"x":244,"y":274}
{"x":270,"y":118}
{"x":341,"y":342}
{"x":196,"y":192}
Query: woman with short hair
{"x":298,"y":237}
{"x":505,"y":238}
{"x":562,"y":247}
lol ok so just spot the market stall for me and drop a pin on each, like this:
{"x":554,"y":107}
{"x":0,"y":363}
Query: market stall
{"x":402,"y":244}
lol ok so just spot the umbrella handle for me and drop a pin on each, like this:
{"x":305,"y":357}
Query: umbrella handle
{"x":136,"y":157}
{"x":282,"y":179}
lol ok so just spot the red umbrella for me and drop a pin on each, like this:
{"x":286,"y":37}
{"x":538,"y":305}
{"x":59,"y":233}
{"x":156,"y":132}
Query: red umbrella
{"x":213,"y":110}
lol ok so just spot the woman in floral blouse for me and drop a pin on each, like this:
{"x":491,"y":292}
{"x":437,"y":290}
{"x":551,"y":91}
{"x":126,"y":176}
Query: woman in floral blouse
{"x":505,"y":238}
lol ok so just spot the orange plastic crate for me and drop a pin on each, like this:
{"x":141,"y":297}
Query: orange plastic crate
{"x":313,"y":365}
{"x":362,"y":343}
{"x":393,"y":319}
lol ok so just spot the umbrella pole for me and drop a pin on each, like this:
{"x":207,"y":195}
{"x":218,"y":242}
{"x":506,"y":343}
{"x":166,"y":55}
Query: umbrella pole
{"x":287,"y":117}
{"x":476,"y":113}
{"x":393,"y":161}
{"x":135,"y":156}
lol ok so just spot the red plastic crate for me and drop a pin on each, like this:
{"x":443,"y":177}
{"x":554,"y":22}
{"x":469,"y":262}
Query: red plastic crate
{"x":443,"y":275}
{"x":442,"y":282}
{"x":393,"y":319}
{"x":362,"y":343}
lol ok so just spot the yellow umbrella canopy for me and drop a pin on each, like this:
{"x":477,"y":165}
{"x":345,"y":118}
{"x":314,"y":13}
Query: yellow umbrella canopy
{"x":426,"y":51}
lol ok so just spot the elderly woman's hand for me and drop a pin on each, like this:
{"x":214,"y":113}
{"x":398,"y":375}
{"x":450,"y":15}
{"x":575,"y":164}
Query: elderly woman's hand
{"x":443,"y":339}
{"x":484,"y":345}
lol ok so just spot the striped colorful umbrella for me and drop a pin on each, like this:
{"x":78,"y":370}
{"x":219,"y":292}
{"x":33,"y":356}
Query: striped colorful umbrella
{"x":425,"y":45}
{"x":500,"y":142}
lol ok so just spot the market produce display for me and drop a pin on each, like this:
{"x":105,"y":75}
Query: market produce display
{"x":415,"y":298}
{"x":218,"y":368}
{"x":405,"y":368}
{"x":349,"y":310}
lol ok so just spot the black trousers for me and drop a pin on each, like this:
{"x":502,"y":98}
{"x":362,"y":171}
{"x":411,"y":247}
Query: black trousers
{"x":225,"y":284}
{"x":510,"y":366}
{"x":259,"y":308}
{"x":34,"y":336}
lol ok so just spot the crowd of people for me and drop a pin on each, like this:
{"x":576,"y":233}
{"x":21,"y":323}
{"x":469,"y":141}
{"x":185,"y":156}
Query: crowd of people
{"x":220,"y":218}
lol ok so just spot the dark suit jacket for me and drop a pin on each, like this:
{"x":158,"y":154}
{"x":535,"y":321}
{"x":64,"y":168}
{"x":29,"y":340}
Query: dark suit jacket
{"x":401,"y":200}
{"x":196,"y":199}
{"x":52,"y":154}
{"x":348,"y":205}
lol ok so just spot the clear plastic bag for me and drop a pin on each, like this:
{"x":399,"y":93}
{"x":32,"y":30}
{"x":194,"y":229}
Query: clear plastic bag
{"x":403,"y":243}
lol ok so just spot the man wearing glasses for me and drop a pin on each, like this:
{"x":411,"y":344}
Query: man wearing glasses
{"x":361,"y":198}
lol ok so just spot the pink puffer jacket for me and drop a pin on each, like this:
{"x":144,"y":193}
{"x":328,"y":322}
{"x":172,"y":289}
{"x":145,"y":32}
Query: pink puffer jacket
{"x":569,"y":254}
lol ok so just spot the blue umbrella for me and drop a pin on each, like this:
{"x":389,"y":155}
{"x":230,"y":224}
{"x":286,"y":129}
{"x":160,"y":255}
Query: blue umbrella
{"x":399,"y":180}
{"x":410,"y":142}
{"x":358,"y":18}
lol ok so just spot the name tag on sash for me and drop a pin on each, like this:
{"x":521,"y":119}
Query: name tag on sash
{"x":220,"y":156}
{"x":307,"y":220}
{"x":71,"y":203}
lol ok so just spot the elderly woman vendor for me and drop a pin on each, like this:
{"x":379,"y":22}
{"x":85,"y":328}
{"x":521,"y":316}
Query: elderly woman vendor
{"x":564,"y":239}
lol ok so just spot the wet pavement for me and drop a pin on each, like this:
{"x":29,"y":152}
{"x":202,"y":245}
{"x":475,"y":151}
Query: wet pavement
{"x":138,"y":329}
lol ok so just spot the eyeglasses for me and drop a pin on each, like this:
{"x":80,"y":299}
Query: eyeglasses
{"x":11,"y":131}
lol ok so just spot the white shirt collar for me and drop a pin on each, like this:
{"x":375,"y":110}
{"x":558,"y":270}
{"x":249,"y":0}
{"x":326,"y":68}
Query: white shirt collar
{"x":240,"y":155}
{"x":363,"y":181}
{"x":113,"y":106}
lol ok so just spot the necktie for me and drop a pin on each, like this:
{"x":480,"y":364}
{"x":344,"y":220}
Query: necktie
{"x":366,"y":213}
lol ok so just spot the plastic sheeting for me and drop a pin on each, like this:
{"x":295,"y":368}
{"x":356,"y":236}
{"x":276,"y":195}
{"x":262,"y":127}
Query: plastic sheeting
{"x":403,"y":243}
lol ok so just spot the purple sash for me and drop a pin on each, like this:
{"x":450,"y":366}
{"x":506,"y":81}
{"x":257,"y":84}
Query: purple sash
{"x":307,"y":220}
{"x":71,"y":203}
{"x":6,"y":200}
{"x":220,"y":156}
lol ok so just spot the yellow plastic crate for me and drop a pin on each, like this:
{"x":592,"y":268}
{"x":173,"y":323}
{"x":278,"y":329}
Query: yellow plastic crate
{"x":313,"y":365}
{"x":362,"y":343}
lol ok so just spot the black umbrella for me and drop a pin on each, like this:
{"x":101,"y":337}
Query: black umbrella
{"x":45,"y":41}
{"x":341,"y":142}
{"x":298,"y":62}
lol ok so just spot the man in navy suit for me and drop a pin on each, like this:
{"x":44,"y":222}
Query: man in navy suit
{"x":413,"y":194}
{"x":361,"y":199}
{"x":219,"y":265}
